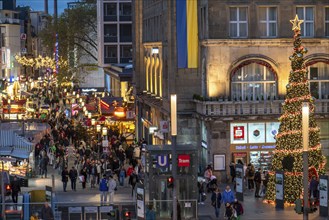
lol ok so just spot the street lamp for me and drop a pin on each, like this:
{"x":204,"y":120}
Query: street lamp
{"x":98,"y":128}
{"x":305,"y":134}
{"x":93,"y":122}
{"x":104,"y":131}
{"x":89,"y":115}
{"x":173,"y":124}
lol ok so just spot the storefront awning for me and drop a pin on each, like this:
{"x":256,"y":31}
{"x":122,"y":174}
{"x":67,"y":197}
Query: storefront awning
{"x":20,"y":153}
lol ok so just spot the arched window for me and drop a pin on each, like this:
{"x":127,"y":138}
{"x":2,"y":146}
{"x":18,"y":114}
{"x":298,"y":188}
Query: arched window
{"x":253,"y":80}
{"x":318,"y":75}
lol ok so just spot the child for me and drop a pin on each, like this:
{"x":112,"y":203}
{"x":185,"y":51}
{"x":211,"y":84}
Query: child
{"x":230,"y":213}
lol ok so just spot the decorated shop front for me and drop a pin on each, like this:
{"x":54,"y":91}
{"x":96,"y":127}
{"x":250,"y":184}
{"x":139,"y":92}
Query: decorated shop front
{"x":253,"y":142}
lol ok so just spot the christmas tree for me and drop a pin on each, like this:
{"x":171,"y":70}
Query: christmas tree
{"x":289,"y":142}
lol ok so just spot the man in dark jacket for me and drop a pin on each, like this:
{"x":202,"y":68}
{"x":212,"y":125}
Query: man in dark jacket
{"x":15,"y":189}
{"x":65,"y":178}
{"x":73,"y":177}
{"x":47,"y":212}
{"x":258,"y":181}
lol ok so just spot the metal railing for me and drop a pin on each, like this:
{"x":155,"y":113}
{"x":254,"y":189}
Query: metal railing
{"x":240,"y":108}
{"x":96,"y":211}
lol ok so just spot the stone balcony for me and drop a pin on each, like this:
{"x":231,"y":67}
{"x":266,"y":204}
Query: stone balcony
{"x":250,"y":108}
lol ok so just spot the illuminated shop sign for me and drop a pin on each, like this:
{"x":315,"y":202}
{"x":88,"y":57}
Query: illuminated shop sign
{"x":254,"y":147}
{"x":254,"y":132}
{"x":239,"y":133}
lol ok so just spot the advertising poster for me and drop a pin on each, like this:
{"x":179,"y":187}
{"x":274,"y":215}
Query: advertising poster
{"x":279,"y":186}
{"x":238,"y":133}
{"x":239,"y":179}
{"x":256,"y":132}
{"x":272,"y":129}
{"x":323,"y":187}
{"x":140,"y":202}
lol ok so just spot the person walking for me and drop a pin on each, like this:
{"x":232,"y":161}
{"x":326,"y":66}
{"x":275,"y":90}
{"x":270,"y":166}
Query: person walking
{"x":65,"y":178}
{"x":47,"y":212}
{"x":250,"y":172}
{"x":133,"y":181}
{"x":15,"y":189}
{"x":73,"y":174}
{"x":258,"y":181}
{"x":216,"y":199}
{"x":237,"y":206}
{"x":228,"y":195}
{"x":83,"y":177}
{"x":150,"y":213}
{"x":103,"y":188}
{"x":112,"y":188}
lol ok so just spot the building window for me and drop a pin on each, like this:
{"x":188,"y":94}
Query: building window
{"x":110,"y":54}
{"x":306,"y":14}
{"x":125,"y":54}
{"x":318,"y":74}
{"x":253,"y":81}
{"x":125,"y":33}
{"x":110,"y":33}
{"x":326,"y":22}
{"x":268,"y":21}
{"x":125,"y":11}
{"x":238,"y":22}
{"x":110,"y":12}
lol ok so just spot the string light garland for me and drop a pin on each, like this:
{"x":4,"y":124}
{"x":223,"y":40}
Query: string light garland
{"x":287,"y":155}
{"x":40,"y":61}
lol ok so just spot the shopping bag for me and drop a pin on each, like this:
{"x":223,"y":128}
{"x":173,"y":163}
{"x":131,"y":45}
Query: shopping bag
{"x":81,"y":179}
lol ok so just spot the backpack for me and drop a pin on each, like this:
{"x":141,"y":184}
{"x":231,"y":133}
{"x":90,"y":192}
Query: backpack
{"x":103,"y":185}
{"x":250,"y":172}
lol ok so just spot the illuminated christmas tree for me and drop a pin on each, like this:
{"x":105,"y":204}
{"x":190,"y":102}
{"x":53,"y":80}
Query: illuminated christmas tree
{"x":288,"y":154}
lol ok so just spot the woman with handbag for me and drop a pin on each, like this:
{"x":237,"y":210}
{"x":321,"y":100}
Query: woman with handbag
{"x":83,"y":177}
{"x":216,"y":199}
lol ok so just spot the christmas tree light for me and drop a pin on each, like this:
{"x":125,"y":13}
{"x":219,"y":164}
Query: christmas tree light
{"x":289,"y":148}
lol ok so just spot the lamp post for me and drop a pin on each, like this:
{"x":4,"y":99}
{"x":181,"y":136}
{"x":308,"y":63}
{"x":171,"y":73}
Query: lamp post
{"x":305,"y":134}
{"x":173,"y":118}
{"x":98,"y":130}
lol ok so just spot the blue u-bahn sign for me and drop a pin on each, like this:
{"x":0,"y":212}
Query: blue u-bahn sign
{"x":162,"y":161}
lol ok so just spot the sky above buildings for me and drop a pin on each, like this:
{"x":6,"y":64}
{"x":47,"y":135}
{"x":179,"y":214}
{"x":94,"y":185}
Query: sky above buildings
{"x":38,"y":5}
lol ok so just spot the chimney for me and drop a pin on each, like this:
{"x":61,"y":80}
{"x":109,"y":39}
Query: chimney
{"x":46,"y":6}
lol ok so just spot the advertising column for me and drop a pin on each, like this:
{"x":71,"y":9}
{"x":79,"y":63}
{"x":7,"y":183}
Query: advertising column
{"x":239,"y":181}
{"x":279,"y":190}
{"x":323,"y":188}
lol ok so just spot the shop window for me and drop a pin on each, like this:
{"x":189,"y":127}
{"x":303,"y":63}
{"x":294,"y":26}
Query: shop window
{"x":319,"y":80}
{"x":254,"y":81}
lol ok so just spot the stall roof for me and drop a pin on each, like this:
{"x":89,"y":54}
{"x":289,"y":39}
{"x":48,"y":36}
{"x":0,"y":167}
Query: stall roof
{"x":5,"y":151}
{"x":20,"y":153}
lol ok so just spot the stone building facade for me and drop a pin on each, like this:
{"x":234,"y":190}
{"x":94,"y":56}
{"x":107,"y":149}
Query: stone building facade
{"x":240,"y":83}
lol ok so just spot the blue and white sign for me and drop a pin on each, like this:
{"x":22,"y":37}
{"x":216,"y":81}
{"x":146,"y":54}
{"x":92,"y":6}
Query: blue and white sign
{"x":162,"y":160}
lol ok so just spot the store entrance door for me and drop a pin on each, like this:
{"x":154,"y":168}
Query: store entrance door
{"x":165,"y":196}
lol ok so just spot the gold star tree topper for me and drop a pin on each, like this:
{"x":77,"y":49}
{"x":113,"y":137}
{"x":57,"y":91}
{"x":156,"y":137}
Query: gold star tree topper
{"x":296,"y":23}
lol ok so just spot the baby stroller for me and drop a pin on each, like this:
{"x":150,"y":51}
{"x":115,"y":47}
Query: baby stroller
{"x":212,"y":184}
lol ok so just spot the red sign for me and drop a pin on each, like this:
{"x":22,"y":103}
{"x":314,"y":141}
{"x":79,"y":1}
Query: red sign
{"x":184,"y":160}
{"x":238,"y":132}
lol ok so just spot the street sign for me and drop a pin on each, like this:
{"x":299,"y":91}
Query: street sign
{"x":183,"y":160}
{"x":162,"y":160}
